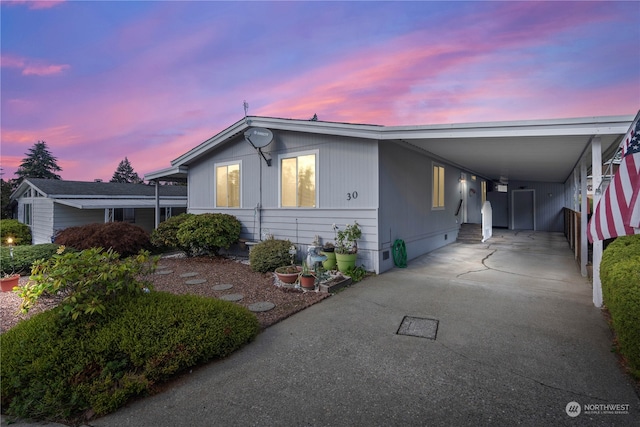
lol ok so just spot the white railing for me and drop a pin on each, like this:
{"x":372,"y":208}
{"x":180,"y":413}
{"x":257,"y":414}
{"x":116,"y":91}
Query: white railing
{"x":487,"y":221}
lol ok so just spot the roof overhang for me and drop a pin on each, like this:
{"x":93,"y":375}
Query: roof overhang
{"x":122,"y":203}
{"x":174,"y":173}
{"x":528,"y":150}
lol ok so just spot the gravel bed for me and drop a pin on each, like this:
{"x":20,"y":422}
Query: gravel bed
{"x":254,"y":288}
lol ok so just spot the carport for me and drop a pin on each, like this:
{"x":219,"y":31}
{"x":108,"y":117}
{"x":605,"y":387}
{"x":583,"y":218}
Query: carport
{"x":563,"y":151}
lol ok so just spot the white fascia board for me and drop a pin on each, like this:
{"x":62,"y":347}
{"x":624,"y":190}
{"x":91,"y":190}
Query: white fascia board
{"x":120,"y":203}
{"x":556,"y":127}
{"x":167,"y":172}
{"x":552,"y":127}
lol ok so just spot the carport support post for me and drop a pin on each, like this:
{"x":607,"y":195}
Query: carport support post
{"x":596,"y":180}
{"x":584,"y":249}
{"x":157,"y":184}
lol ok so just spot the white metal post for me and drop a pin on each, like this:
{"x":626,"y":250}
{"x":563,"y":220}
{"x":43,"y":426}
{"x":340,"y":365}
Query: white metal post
{"x":596,"y":173}
{"x":584,"y":248}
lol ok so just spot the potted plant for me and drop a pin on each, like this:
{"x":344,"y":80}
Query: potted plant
{"x":328,"y":250}
{"x":347,"y":246}
{"x":288,"y":273}
{"x":307,"y":279}
{"x":8,"y":281}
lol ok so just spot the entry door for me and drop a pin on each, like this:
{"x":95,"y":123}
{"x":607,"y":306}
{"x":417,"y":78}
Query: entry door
{"x":523,"y":207}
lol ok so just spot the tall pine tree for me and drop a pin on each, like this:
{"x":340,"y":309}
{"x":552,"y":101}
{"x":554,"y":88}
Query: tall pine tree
{"x":125,"y":173}
{"x":39,"y":163}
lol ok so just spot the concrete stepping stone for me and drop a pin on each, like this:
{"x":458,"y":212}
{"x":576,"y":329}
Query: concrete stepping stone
{"x":232,"y":297}
{"x":188,"y":274}
{"x":195,"y":281}
{"x":222,"y":287}
{"x":261,"y":306}
{"x":164,"y":271}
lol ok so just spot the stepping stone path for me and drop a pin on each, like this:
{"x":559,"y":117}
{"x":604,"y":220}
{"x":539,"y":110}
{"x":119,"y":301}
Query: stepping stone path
{"x":188,"y":274}
{"x":232,"y":297}
{"x":164,"y":271}
{"x":195,"y":281}
{"x":261,"y":306}
{"x":222,"y":287}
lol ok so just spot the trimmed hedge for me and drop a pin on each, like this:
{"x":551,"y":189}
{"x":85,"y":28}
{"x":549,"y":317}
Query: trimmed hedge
{"x":166,"y":235}
{"x":208,"y":232}
{"x":620,"y":276}
{"x":25,"y":256}
{"x":21,"y":233}
{"x":58,"y":370}
{"x":270,"y":254}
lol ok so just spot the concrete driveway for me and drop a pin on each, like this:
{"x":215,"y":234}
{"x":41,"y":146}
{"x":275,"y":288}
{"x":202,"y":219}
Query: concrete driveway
{"x":517,"y":339}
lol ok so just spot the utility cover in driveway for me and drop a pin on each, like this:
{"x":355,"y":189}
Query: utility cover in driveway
{"x":418,"y":327}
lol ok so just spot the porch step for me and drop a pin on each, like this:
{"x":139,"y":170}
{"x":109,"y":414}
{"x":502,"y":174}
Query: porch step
{"x":470,"y":233}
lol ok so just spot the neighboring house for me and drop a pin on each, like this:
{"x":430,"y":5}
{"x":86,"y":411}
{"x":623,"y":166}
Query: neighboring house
{"x":49,"y":206}
{"x":415,"y":183}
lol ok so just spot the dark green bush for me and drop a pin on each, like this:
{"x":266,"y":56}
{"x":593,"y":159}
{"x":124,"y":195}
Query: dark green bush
{"x":269,"y":255}
{"x":209,"y":232}
{"x":25,"y":256}
{"x":124,"y":238}
{"x":21,"y":233}
{"x":620,"y":277}
{"x":87,"y":280}
{"x":166,"y":235}
{"x":71,"y":368}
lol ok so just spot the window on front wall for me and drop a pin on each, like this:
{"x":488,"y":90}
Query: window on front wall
{"x":26,"y":219}
{"x":228,"y":186}
{"x":124,"y":215}
{"x":438,"y":187}
{"x":298,"y":181}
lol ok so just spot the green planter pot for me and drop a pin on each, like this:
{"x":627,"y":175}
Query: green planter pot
{"x":346,"y":261}
{"x":330,"y":262}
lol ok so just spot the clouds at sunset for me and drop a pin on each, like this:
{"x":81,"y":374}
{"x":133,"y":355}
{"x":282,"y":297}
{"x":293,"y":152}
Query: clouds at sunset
{"x":151,"y":80}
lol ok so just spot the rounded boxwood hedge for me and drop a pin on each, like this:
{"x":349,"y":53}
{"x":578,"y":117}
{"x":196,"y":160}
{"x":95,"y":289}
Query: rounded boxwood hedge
{"x":620,"y":277}
{"x":60,"y":370}
{"x":270,"y":254}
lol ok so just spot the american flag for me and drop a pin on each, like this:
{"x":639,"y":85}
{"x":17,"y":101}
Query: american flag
{"x":618,"y":211}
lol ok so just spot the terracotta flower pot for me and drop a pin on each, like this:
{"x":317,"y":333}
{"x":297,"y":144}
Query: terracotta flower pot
{"x":308,"y":282}
{"x":286,"y":275}
{"x":8,"y":283}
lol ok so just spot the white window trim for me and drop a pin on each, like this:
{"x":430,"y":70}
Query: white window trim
{"x":444,"y":185}
{"x":298,"y":154}
{"x":215,"y":183}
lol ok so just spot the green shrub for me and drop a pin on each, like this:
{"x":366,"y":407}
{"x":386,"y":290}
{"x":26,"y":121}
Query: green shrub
{"x":620,"y":276}
{"x":19,"y":232}
{"x":166,"y":235}
{"x":86,"y":280}
{"x":269,"y":255}
{"x":209,"y":232}
{"x":124,"y":238}
{"x":25,"y":256}
{"x":69,"y":369}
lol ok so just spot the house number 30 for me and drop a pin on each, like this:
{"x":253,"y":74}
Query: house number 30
{"x":352,"y":195}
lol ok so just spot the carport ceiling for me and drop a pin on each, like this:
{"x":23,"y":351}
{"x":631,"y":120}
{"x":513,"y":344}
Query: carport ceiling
{"x":528,"y":158}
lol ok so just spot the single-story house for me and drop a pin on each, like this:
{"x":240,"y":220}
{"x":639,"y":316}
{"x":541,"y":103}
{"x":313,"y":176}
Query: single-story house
{"x":49,"y":206}
{"x":294,"y":179}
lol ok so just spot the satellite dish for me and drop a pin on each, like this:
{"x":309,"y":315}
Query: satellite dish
{"x":258,"y":137}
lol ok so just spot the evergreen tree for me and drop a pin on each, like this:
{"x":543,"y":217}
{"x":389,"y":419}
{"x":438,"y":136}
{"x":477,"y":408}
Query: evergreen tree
{"x":39,"y":163}
{"x":125,"y":173}
{"x":5,"y":192}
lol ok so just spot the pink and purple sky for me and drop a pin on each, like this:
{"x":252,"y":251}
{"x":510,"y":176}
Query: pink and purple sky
{"x":149,"y":80}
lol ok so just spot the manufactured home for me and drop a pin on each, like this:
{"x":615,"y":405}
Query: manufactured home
{"x":295,"y":179}
{"x":49,"y":206}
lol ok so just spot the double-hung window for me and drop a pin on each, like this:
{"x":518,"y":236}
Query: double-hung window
{"x":438,"y":187}
{"x":228,"y":185}
{"x":298,"y":180}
